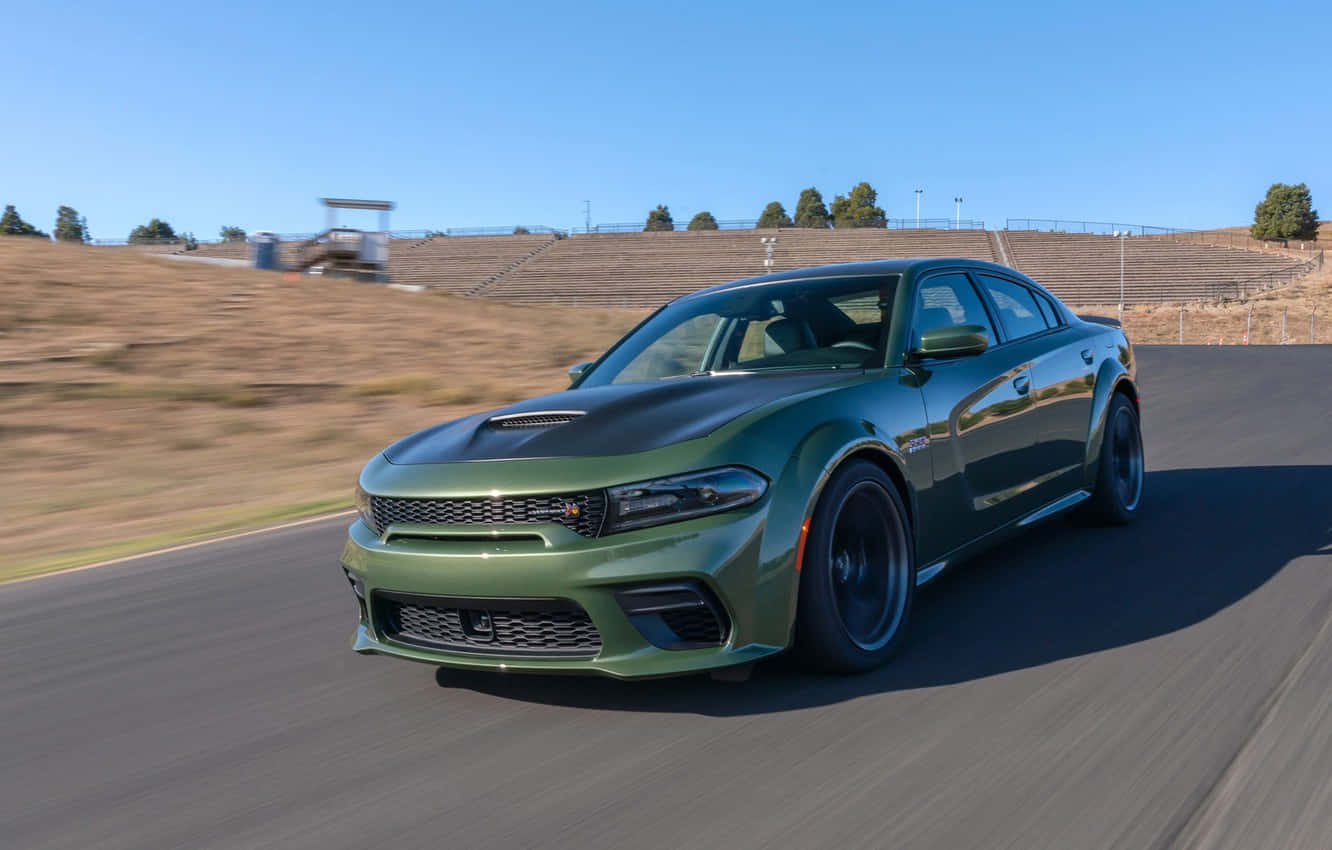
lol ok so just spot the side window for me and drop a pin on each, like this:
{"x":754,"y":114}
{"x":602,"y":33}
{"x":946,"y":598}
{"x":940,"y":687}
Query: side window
{"x":1047,"y":309}
{"x":1016,"y":305}
{"x":948,"y":299}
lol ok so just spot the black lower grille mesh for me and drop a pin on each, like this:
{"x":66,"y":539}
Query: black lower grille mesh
{"x":695,"y":625}
{"x":580,"y":512}
{"x":550,"y":627}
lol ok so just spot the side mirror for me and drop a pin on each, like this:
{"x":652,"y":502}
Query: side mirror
{"x":576,"y":371}
{"x":952,"y":341}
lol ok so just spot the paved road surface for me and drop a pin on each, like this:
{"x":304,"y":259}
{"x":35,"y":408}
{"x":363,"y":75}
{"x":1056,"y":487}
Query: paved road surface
{"x":1164,"y":685}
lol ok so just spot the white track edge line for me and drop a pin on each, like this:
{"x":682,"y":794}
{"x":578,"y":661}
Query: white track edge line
{"x":183,"y":546}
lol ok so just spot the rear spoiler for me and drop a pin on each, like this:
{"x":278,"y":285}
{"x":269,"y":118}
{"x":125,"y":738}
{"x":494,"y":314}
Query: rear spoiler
{"x":1101,"y":320}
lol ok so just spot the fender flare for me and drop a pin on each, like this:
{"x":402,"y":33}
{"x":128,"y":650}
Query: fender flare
{"x":796,"y":492}
{"x":1112,"y":378}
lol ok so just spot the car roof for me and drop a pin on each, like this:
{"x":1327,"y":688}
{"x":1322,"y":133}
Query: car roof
{"x":870,"y":268}
{"x":865,"y":268}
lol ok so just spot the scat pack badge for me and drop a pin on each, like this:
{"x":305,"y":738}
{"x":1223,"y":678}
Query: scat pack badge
{"x":915,"y":444}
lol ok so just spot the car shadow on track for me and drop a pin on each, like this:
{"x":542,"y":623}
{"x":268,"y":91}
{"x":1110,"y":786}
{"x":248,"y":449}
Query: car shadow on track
{"x":1205,"y":539}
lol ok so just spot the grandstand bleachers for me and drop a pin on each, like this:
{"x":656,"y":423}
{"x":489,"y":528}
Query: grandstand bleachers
{"x":460,"y":264}
{"x":647,"y":269}
{"x":1084,"y":268}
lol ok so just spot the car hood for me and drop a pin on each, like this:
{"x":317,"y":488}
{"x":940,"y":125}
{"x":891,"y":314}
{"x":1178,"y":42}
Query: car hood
{"x":612,"y":420}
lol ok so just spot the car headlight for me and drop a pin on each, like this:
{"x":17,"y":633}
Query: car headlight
{"x":363,"y":507}
{"x":693,"y":494}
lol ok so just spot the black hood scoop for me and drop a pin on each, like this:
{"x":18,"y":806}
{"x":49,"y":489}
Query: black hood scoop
{"x":606,"y":420}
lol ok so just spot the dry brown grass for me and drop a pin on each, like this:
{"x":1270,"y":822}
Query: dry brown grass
{"x":141,"y":397}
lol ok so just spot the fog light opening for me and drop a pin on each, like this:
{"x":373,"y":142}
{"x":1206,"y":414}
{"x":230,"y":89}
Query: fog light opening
{"x":675,"y":615}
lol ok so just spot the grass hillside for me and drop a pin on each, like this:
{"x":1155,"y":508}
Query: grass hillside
{"x":144,"y":400}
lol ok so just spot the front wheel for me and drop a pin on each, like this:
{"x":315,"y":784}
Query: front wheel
{"x":1120,"y":471}
{"x":858,"y":573}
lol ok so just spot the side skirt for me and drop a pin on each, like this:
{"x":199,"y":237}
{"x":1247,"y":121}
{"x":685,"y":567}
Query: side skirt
{"x":928,"y":573}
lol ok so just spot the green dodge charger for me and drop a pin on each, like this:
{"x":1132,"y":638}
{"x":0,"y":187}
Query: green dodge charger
{"x":767,"y":465}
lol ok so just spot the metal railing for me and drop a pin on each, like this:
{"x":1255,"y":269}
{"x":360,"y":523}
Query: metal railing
{"x":1234,"y":290}
{"x":504,"y":230}
{"x":1104,"y":228}
{"x":752,"y":224}
{"x":1231,"y":239}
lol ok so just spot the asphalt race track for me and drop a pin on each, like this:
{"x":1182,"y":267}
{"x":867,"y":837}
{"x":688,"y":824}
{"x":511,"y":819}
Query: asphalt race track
{"x":1162,"y":685}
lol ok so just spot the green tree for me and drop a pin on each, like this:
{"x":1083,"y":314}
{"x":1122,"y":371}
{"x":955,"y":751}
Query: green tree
{"x":810,"y":211}
{"x":1286,"y":213}
{"x":69,"y":227}
{"x":12,"y":224}
{"x":702,"y":221}
{"x":774,"y":215}
{"x":232,"y":234}
{"x":857,"y":209}
{"x":659,"y":219}
{"x":152,"y":231}
{"x":521,"y":231}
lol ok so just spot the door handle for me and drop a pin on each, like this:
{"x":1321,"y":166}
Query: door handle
{"x":1022,"y":383}
{"x":1087,"y":356}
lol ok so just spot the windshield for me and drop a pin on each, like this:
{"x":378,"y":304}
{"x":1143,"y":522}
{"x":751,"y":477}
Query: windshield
{"x":831,"y":323}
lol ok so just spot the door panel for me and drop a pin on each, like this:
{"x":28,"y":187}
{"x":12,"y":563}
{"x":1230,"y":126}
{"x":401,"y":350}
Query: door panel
{"x":981,"y":441}
{"x":1064,"y":378}
{"x":979,"y":410}
{"x":1062,"y":385}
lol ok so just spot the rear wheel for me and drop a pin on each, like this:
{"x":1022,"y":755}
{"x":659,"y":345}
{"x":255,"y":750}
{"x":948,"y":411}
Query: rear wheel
{"x":1120,"y":473}
{"x":858,"y":573}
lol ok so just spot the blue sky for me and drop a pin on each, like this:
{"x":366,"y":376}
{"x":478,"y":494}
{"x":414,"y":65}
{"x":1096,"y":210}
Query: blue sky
{"x":501,"y":113}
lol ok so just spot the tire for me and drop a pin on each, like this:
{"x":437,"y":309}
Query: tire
{"x":1121,"y":468}
{"x":858,"y":575}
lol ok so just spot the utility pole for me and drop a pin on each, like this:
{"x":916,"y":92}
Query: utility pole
{"x":957,"y":215}
{"x":918,"y":191}
{"x":1122,"y":234}
{"x":587,"y":216}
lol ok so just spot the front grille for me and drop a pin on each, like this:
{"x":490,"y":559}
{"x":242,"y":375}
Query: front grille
{"x":694,"y":625}
{"x":535,"y":420}
{"x":579,"y":512}
{"x":488,"y":626}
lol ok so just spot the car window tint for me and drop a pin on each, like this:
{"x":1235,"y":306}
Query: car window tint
{"x":1016,"y":306}
{"x":948,"y":299}
{"x":1048,"y":310}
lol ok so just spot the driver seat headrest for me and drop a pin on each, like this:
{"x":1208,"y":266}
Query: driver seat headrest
{"x":787,"y":335}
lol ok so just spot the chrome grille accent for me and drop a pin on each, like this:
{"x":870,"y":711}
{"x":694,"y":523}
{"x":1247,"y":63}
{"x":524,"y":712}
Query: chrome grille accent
{"x":578,"y":512}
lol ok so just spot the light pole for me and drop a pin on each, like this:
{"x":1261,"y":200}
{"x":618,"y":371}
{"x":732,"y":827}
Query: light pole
{"x":587,"y":216}
{"x":918,"y":191}
{"x":957,"y":215}
{"x":1122,"y":235}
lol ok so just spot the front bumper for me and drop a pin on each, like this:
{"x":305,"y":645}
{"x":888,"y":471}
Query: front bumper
{"x":721,"y":553}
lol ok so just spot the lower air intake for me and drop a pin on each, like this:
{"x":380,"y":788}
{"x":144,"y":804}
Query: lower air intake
{"x":557,"y":628}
